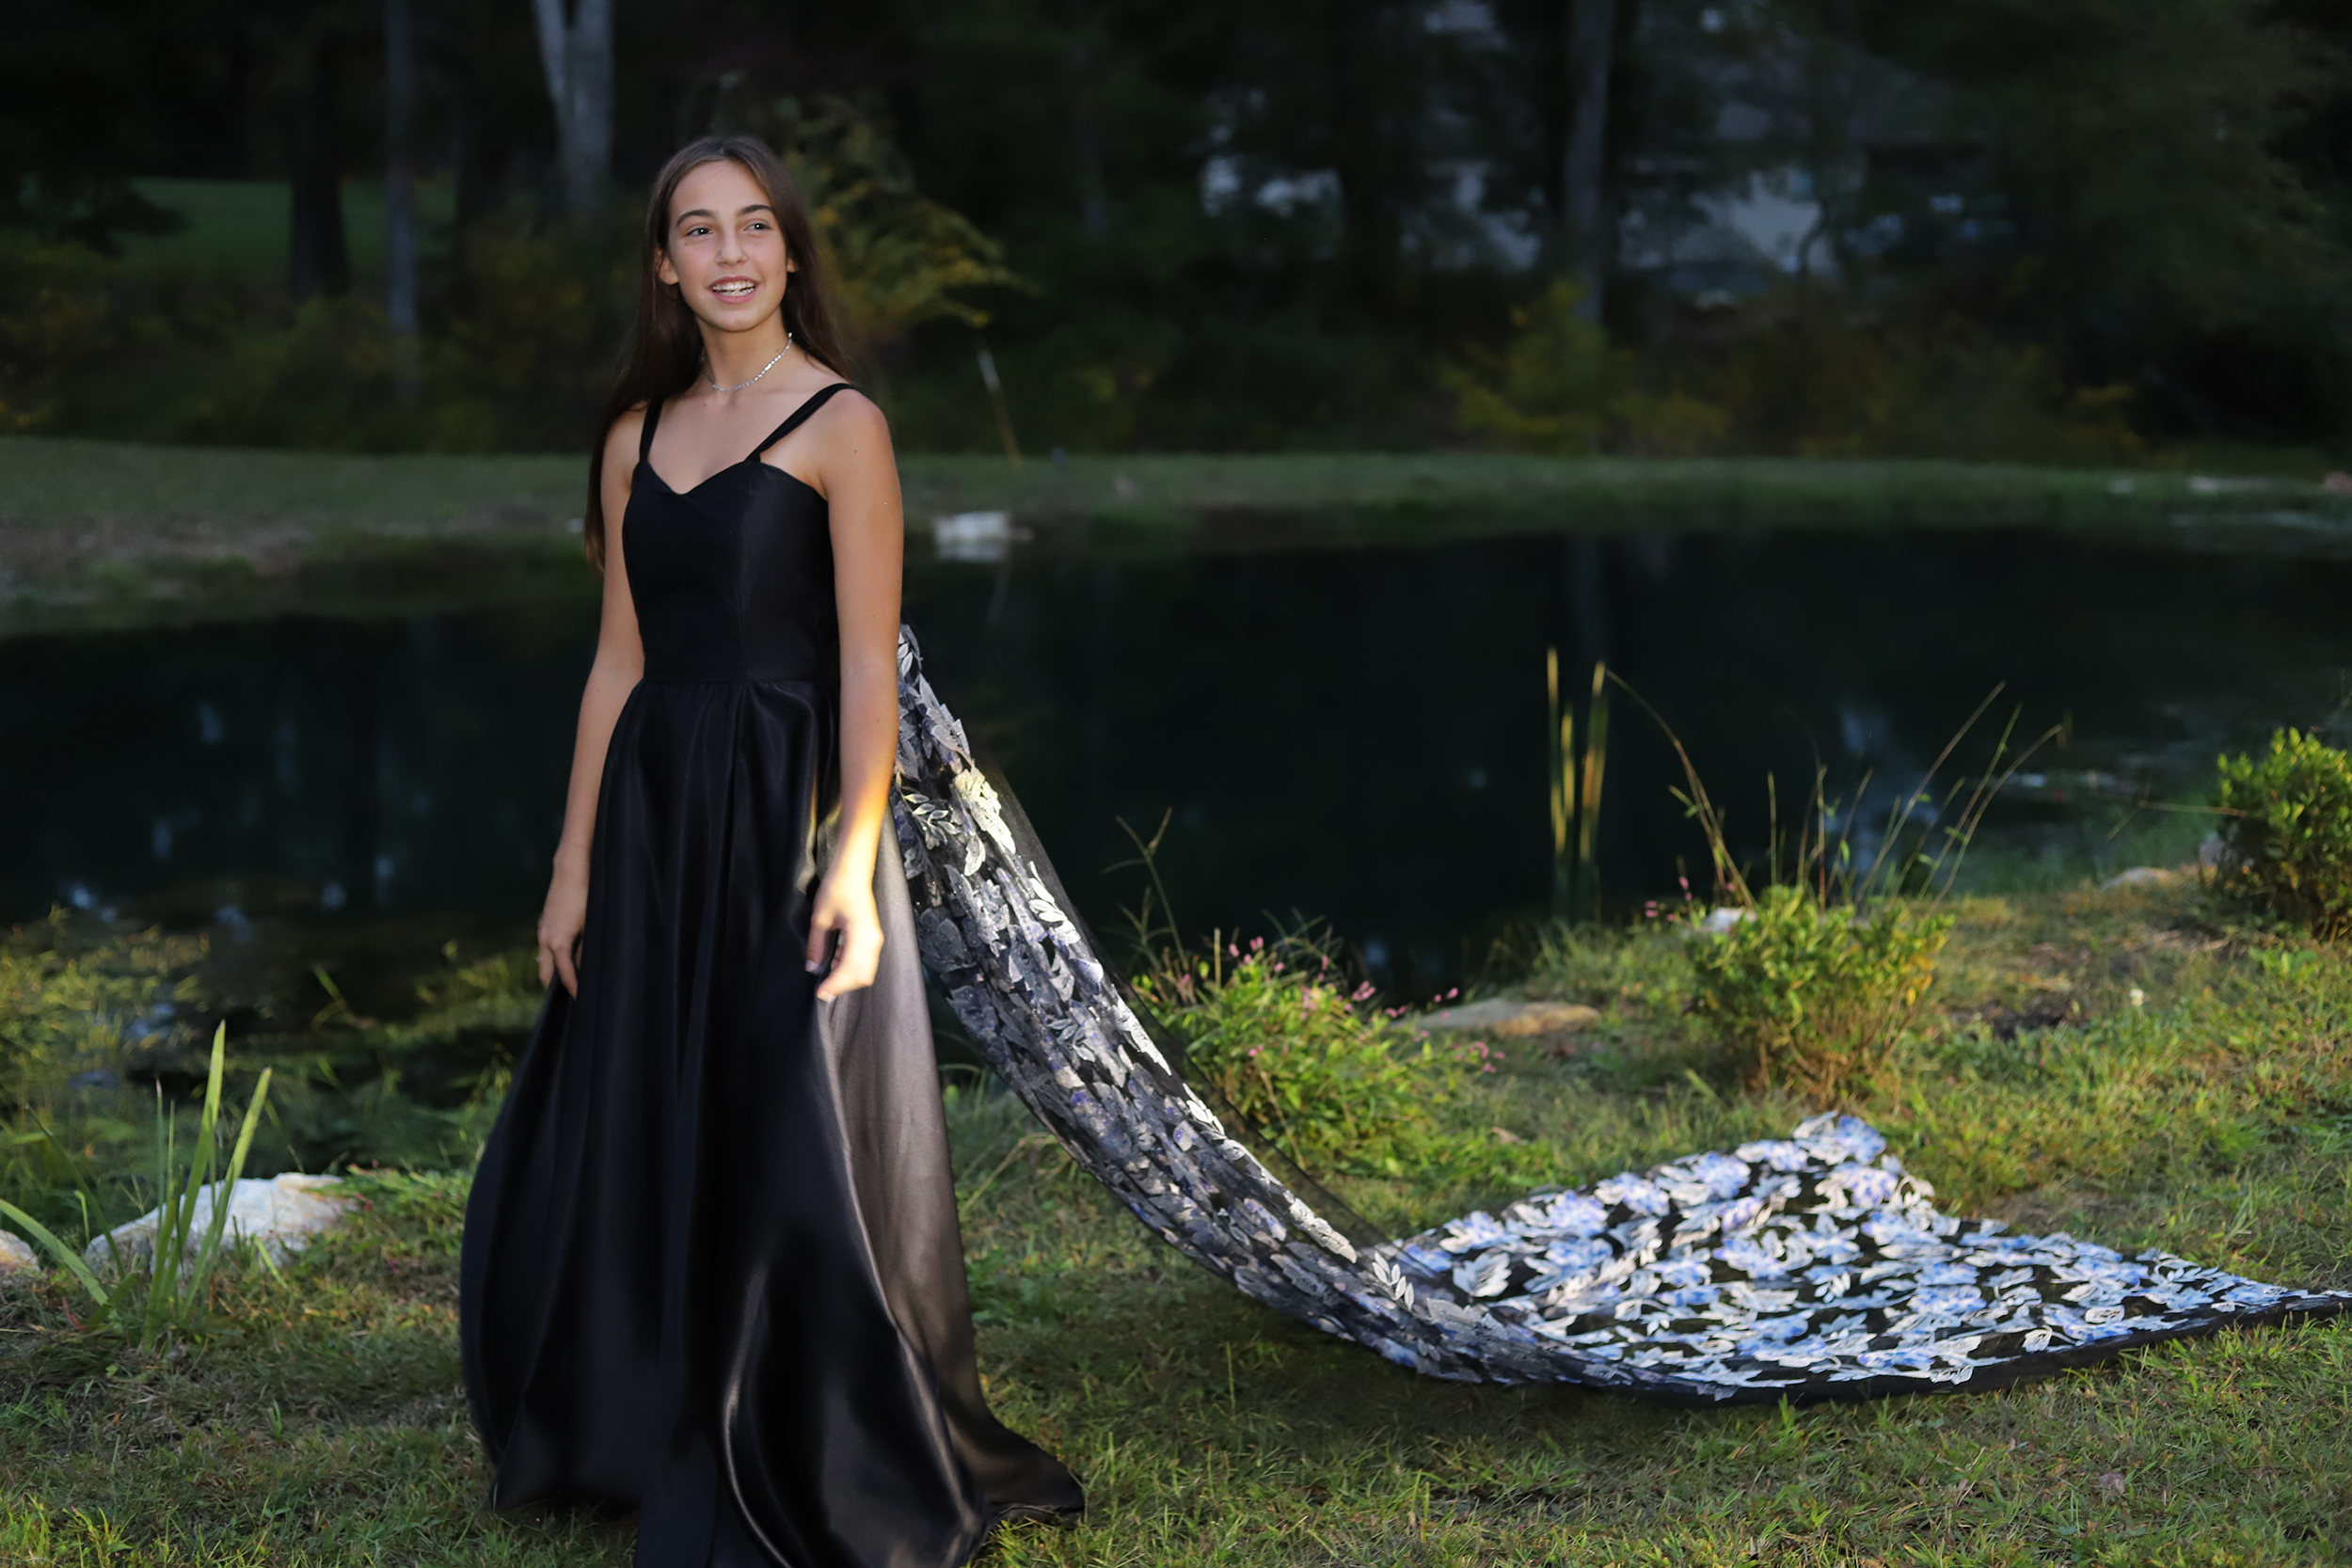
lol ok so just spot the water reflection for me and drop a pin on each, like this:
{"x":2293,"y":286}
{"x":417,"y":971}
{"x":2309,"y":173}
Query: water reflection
{"x":1357,"y":735}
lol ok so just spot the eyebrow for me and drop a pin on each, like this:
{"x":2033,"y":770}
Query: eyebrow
{"x":707,"y":212}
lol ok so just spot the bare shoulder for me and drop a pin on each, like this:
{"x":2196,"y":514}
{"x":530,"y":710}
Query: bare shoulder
{"x":852,"y":439}
{"x":853,"y":416}
{"x":620,"y":442}
{"x":626,"y":428}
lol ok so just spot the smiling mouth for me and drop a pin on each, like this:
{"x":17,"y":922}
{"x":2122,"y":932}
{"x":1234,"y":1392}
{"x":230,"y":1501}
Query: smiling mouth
{"x":733,"y":288}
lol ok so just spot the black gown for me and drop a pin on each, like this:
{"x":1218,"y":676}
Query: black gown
{"x":712,"y":1268}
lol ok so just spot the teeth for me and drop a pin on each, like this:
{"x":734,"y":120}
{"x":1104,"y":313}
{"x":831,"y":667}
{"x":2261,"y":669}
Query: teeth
{"x":733,"y":288}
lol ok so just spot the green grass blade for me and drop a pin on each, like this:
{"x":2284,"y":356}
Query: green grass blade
{"x":199,"y":1292}
{"x":64,"y":1254}
{"x":252,"y":1124}
{"x":167,"y":1220}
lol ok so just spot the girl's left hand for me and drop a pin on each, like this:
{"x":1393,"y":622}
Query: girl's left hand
{"x":846,"y":910}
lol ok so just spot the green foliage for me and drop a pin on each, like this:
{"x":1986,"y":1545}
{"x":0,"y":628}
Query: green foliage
{"x":2140,"y":150}
{"x":323,"y":1423}
{"x":524,"y":366}
{"x":1311,"y":1062}
{"x":51,"y":323}
{"x":167,"y":1289}
{"x":1243,"y":236}
{"x":86,"y":1015}
{"x":899,"y":258}
{"x":347,"y":1097}
{"x":1558,"y":386}
{"x":1818,"y":997}
{"x":1792,"y":371}
{"x":2289,"y":837}
{"x":1817,"y":975}
{"x":1610,"y":966}
{"x":70,"y":1007}
{"x":1805,"y":373}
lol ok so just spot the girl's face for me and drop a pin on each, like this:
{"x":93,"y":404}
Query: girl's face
{"x":726,"y":251}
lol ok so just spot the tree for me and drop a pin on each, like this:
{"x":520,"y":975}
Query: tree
{"x":400,"y":201}
{"x":577,"y":59}
{"x":1588,"y":238}
{"x":317,"y":261}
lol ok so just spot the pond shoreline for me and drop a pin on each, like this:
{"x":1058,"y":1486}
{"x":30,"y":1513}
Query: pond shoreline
{"x":102,"y":535}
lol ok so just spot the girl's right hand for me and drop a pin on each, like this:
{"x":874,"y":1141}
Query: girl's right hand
{"x":560,"y":925}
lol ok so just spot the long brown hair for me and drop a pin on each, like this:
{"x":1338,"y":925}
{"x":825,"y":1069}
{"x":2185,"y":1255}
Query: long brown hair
{"x":666,"y":353}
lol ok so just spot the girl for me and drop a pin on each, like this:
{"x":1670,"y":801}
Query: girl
{"x":711,"y":1270}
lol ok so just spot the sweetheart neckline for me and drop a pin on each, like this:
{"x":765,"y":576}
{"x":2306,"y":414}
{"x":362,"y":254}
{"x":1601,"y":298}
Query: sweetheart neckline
{"x":646,"y":464}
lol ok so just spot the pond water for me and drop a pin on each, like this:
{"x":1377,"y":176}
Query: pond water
{"x":1355,"y":736}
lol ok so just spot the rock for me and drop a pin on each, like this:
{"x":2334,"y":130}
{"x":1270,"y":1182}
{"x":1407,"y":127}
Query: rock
{"x":2139,"y":876}
{"x":1511,"y":1020}
{"x":281,"y":1214}
{"x":16,"y":1255}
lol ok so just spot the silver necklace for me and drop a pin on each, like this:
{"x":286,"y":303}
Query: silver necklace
{"x":763,"y":370}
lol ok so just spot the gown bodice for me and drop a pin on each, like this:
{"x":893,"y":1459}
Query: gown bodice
{"x":732,"y":577}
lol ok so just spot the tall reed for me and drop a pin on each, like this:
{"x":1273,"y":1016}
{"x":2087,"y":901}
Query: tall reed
{"x":1575,"y":782}
{"x":1819,"y":974}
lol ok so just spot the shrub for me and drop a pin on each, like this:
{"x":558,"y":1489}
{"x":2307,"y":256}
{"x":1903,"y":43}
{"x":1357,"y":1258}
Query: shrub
{"x":2288,"y":842}
{"x":1312,"y":1064}
{"x":70,"y":1007}
{"x":1558,"y":386}
{"x":1816,"y":994}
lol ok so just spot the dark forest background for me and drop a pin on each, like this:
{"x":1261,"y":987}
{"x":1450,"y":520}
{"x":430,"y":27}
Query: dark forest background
{"x":2050,"y":230}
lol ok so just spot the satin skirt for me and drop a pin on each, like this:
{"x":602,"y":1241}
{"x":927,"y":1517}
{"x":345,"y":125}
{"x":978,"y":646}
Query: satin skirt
{"x":711,"y":1269}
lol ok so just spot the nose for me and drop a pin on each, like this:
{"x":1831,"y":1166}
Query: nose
{"x":730,"y":245}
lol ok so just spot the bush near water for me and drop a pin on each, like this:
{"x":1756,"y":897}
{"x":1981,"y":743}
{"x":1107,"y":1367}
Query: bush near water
{"x":1815,"y":996}
{"x":1311,"y":1063}
{"x":2288,"y":838}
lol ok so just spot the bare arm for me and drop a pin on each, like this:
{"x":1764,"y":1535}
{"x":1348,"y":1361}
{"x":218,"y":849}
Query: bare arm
{"x":860,"y":480}
{"x":620,"y":662}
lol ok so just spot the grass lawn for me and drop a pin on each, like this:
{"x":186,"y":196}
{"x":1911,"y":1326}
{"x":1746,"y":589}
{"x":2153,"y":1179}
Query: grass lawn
{"x":106,"y":532}
{"x":324,"y":1424}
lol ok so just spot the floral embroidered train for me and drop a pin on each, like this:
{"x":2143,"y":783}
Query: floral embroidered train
{"x":1807,"y":1267}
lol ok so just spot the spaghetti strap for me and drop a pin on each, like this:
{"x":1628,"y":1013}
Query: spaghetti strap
{"x":803,"y":412}
{"x":644,"y":437}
